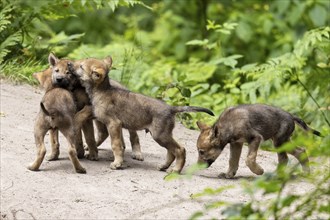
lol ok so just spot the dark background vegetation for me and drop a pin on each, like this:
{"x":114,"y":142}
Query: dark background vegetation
{"x":210,"y":53}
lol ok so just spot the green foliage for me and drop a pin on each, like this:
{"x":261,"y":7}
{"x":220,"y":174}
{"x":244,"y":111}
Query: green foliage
{"x":18,"y":72}
{"x":9,"y":38}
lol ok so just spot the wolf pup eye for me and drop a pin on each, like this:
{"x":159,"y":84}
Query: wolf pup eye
{"x":57,"y":70}
{"x":201,"y":152}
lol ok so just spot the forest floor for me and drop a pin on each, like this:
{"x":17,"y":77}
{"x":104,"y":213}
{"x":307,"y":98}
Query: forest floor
{"x":137,"y":192}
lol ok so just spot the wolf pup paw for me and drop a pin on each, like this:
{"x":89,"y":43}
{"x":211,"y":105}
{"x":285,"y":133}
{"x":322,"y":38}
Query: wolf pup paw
{"x":53,"y":157}
{"x":32,"y":168}
{"x":81,"y":170}
{"x":91,"y":156}
{"x":115,"y":166}
{"x":226,"y":175}
{"x":137,"y":156}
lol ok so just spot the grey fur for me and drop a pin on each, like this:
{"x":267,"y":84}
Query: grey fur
{"x":250,"y":124}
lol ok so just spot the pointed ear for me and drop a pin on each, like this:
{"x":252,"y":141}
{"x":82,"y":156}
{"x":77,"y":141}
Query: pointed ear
{"x":108,"y":61}
{"x":215,"y":132}
{"x":97,"y":77}
{"x":52,"y":59}
{"x":201,"y":125}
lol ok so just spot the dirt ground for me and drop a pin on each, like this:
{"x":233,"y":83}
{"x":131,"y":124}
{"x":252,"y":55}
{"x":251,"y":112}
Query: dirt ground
{"x":136,"y":192}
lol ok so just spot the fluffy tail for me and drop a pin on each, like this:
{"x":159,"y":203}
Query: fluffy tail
{"x":177,"y":109}
{"x":304,"y":126}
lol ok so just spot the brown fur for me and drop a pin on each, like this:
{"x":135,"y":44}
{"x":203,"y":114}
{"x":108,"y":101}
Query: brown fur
{"x":118,"y":108}
{"x":57,"y":112}
{"x":63,"y":78}
{"x":45,"y":81}
{"x":252,"y":124}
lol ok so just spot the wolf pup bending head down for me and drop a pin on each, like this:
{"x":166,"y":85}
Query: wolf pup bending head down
{"x":252,"y":124}
{"x":118,"y":108}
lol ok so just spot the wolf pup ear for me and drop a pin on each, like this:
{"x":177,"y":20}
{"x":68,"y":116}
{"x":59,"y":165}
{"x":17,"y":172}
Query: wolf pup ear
{"x":108,"y":61}
{"x":215,"y":132}
{"x":201,"y":125}
{"x":52,"y":59}
{"x":97,"y":76}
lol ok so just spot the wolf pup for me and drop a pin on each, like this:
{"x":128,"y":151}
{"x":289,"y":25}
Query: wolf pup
{"x":45,"y":80}
{"x":63,"y":78}
{"x":57,"y":111}
{"x":252,"y":124}
{"x":118,"y":108}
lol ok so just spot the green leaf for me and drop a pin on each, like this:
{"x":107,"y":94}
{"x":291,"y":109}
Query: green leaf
{"x":211,"y":25}
{"x":194,"y":168}
{"x":325,"y":208}
{"x":215,"y":205}
{"x":230,"y":26}
{"x":113,"y":4}
{"x":196,"y":215}
{"x":235,"y":91}
{"x":83,"y":2}
{"x":249,"y":85}
{"x":62,"y":38}
{"x":268,"y":26}
{"x":253,"y":96}
{"x":210,"y":191}
{"x":185,"y":92}
{"x":287,"y":201}
{"x":228,"y":61}
{"x":282,"y":5}
{"x":318,"y":15}
{"x":198,"y":42}
{"x":227,"y":32}
{"x":296,"y":13}
{"x":244,"y":31}
{"x":172,"y":176}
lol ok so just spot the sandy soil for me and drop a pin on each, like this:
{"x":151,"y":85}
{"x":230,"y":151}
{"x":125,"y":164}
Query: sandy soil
{"x":136,"y":192}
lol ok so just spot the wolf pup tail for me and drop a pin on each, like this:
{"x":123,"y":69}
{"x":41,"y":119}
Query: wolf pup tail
{"x":178,"y":109}
{"x":302,"y":124}
{"x":44,"y":109}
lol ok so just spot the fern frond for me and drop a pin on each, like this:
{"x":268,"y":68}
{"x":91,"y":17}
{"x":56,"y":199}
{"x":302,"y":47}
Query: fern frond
{"x":8,"y":42}
{"x":5,"y":17}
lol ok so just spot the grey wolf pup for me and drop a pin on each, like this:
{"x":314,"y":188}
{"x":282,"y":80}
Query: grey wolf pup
{"x":117,"y":108}
{"x":251,"y":124}
{"x":57,"y":112}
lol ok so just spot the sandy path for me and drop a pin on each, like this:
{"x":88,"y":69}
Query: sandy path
{"x":137,"y":192}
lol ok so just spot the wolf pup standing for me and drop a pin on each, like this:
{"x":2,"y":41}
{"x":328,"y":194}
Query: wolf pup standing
{"x":118,"y":108}
{"x":57,"y":112}
{"x":252,"y":124}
